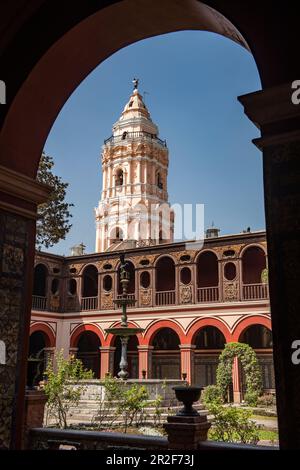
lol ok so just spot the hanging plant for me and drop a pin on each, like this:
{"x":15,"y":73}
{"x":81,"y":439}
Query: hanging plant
{"x":264,"y":276}
{"x":249,"y":362}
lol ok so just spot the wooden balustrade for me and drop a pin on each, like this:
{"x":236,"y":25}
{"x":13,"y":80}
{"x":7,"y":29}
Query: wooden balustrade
{"x":208,"y":294}
{"x":204,"y":295}
{"x":255,"y":291}
{"x":39,"y":302}
{"x":165,"y":297}
{"x":89,"y":303}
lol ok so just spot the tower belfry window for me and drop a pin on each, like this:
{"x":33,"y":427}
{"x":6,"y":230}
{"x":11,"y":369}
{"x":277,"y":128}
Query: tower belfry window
{"x":159,"y":181}
{"x":119,"y":178}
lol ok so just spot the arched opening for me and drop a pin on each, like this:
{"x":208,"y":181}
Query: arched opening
{"x":253,"y":267}
{"x":159,"y":182}
{"x":36,"y":364}
{"x":209,"y":342}
{"x":207,"y":277}
{"x":89,"y":299}
{"x":260,"y":339}
{"x":132,"y":357}
{"x":131,"y":285}
{"x":116,"y":235}
{"x":119,"y":177}
{"x":166,"y":354}
{"x":39,"y":294}
{"x":88,"y":351}
{"x":165,"y":281}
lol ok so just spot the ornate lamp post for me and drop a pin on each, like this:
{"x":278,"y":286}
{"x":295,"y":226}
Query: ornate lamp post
{"x":124,"y":331}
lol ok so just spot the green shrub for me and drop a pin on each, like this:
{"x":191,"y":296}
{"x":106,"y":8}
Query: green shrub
{"x":62,"y":387}
{"x":233,"y":424}
{"x":132,"y":404}
{"x":211,"y":394}
{"x":251,"y":398}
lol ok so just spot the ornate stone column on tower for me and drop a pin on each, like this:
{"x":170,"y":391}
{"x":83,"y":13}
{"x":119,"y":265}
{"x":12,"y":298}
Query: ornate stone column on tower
{"x":134,"y":209}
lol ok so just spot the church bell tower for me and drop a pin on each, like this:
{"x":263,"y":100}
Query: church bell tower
{"x":134,"y":209}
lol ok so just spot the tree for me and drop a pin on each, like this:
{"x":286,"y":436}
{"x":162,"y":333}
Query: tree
{"x":63,"y":386}
{"x":53,"y":215}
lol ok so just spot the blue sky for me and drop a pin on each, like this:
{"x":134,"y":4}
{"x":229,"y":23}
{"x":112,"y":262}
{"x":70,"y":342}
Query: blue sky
{"x":192,"y":80}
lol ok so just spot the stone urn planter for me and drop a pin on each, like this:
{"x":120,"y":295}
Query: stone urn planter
{"x":187,"y":428}
{"x":187,"y":395}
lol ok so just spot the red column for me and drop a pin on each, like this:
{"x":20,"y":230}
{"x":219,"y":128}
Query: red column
{"x":187,"y":360}
{"x":107,"y":360}
{"x":236,"y":381}
{"x":145,"y":360}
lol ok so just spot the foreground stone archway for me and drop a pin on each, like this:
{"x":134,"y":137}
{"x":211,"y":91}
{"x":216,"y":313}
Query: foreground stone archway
{"x":36,"y":89}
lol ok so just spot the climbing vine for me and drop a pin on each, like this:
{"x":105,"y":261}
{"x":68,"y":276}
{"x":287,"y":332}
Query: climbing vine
{"x":250,"y":364}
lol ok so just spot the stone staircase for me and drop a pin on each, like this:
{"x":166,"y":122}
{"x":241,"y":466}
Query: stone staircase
{"x":87,"y":411}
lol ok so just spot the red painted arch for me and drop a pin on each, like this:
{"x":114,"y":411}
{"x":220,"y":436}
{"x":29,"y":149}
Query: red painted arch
{"x":81,"y":329}
{"x":158,"y":325}
{"x":110,"y":339}
{"x":50,"y":337}
{"x":202,"y":323}
{"x":250,"y":321}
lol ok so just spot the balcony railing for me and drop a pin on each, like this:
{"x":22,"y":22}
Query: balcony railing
{"x":89,"y":303}
{"x":134,"y":135}
{"x":165,"y":297}
{"x":255,"y":291}
{"x":39,"y":302}
{"x":207,"y":294}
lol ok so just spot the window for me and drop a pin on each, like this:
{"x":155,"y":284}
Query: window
{"x":159,"y":180}
{"x":230,"y":271}
{"x":107,"y":283}
{"x":54,"y":286}
{"x":119,"y":178}
{"x":145,"y":279}
{"x":185,"y":275}
{"x":72,"y":286}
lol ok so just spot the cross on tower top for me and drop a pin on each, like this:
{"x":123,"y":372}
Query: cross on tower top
{"x":135,"y":82}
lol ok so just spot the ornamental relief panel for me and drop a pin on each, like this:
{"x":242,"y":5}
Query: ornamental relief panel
{"x":137,"y":260}
{"x":178,"y":254}
{"x":145,"y":296}
{"x":230,"y":291}
{"x":107,"y":300}
{"x":235,"y":248}
{"x":186,"y":294}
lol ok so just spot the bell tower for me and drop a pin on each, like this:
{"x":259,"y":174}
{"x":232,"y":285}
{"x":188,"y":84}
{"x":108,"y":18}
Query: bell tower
{"x":134,"y":209}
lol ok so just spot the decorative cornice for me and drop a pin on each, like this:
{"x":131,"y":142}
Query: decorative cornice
{"x":270,"y":105}
{"x":23,"y":188}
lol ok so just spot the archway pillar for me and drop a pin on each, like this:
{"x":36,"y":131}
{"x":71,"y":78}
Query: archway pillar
{"x":236,"y":382}
{"x":107,"y":354}
{"x":20,"y":196}
{"x":278,"y":118}
{"x":187,"y":361}
{"x":145,"y":360}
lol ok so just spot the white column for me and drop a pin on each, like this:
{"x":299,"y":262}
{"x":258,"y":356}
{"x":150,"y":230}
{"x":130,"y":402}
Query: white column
{"x":129,"y":180}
